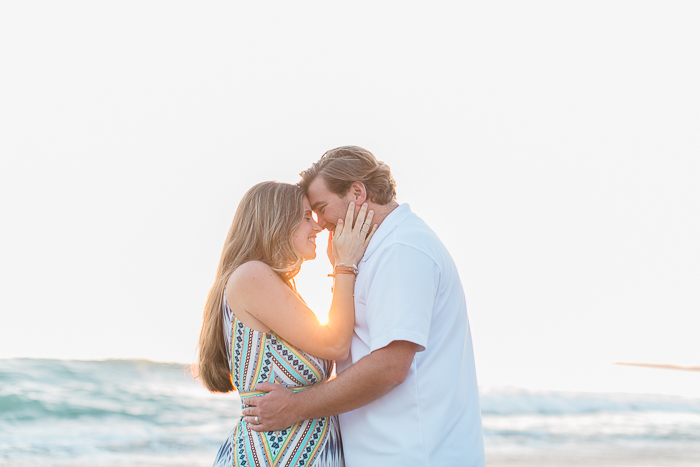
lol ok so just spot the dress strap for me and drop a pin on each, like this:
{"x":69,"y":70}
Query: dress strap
{"x":228,"y":330}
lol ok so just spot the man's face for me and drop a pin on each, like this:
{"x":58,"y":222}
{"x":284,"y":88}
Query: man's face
{"x":328,"y":206}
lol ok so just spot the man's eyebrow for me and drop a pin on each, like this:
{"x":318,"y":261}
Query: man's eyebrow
{"x":317,"y":204}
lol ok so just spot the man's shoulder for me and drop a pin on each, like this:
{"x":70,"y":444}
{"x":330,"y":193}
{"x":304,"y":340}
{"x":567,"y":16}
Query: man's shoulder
{"x":408,"y":247}
{"x":407,"y":234}
{"x":414,"y":233}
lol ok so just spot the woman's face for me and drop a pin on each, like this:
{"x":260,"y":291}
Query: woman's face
{"x":304,"y":237}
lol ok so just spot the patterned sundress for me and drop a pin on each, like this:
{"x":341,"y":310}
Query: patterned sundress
{"x":257,"y":357}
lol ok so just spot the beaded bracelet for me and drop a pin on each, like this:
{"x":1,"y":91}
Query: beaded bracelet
{"x":344,"y":269}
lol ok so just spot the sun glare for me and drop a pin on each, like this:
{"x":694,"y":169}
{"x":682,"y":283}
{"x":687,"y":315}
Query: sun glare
{"x":313,"y":282}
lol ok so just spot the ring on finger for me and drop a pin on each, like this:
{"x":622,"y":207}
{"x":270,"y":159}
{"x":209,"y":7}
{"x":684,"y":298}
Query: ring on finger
{"x":365,"y":227}
{"x":257,"y":420}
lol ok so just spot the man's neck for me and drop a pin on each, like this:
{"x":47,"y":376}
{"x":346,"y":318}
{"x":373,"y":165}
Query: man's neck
{"x":381,"y":211}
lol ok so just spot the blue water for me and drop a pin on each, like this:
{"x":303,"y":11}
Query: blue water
{"x":143,"y":413}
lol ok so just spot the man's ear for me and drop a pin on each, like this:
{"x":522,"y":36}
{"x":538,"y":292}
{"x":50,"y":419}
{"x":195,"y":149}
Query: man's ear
{"x":358,"y":193}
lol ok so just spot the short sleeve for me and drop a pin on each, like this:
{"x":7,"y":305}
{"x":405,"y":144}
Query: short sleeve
{"x":401,"y":297}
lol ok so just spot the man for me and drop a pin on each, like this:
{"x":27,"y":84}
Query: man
{"x":408,"y":393}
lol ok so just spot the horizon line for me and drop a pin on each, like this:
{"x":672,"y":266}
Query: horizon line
{"x":663,"y":366}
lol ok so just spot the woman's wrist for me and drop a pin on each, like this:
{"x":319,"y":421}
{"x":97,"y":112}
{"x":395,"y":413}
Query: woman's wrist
{"x":342,"y":268}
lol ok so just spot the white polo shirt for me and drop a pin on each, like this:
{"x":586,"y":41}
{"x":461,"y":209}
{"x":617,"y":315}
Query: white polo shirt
{"x":408,"y":289}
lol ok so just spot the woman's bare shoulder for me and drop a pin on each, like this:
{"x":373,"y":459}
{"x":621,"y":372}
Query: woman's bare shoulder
{"x":244,"y":288}
{"x":252,"y":276}
{"x":252,"y":267}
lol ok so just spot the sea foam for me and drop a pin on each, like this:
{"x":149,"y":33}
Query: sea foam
{"x":143,"y":413}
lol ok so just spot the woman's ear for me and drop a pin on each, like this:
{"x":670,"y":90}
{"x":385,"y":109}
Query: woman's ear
{"x":358,"y":193}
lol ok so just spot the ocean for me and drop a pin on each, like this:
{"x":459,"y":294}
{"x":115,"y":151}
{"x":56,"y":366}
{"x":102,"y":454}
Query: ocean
{"x":142,"y":413}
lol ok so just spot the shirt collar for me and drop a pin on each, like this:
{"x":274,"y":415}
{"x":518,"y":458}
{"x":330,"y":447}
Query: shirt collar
{"x":389,"y":223}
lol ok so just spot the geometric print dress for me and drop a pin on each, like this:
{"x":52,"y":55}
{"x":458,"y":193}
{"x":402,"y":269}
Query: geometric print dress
{"x":256,"y":357}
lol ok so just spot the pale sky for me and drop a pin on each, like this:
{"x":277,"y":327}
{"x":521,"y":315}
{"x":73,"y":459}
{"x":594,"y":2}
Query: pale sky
{"x":553,"y":147}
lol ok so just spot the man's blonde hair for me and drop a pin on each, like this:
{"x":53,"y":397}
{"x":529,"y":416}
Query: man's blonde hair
{"x":342,"y":166}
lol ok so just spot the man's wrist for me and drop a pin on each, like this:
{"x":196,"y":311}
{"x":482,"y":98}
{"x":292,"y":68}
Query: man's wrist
{"x":295,"y":410}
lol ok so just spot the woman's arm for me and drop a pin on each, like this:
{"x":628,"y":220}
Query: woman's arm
{"x":262,"y":294}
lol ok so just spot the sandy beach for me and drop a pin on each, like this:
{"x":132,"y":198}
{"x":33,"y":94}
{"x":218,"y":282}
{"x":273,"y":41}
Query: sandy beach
{"x":600,"y":457}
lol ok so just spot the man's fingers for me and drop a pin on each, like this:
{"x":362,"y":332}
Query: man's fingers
{"x":250,"y":411}
{"x":254,"y":425}
{"x":258,"y":428}
{"x":261,"y":413}
{"x":254,"y":401}
{"x":251,"y":401}
{"x":262,"y":426}
{"x":254,"y":422}
{"x":266,"y":387}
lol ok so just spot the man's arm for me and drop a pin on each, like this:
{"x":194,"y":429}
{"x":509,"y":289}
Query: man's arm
{"x":367,"y":380}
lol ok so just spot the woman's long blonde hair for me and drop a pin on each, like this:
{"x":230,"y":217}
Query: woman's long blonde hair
{"x":261,"y":230}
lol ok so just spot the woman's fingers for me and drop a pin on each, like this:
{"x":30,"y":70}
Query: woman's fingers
{"x":371,"y":234}
{"x":350,"y":217}
{"x":360,"y":220}
{"x":350,"y":214}
{"x":338,"y":228}
{"x":350,"y":239}
{"x":365,"y":226}
{"x":329,"y":248}
{"x":340,"y":225}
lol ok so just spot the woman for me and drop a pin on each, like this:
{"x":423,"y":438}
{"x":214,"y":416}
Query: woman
{"x":257,"y":329}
